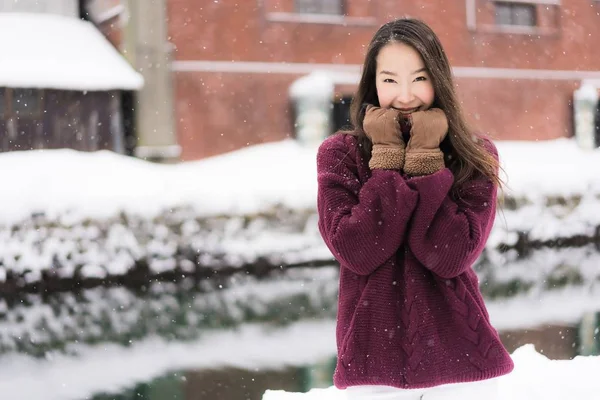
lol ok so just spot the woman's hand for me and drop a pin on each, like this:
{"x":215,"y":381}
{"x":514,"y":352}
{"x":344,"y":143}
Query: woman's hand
{"x":423,"y":154}
{"x":382,"y":127}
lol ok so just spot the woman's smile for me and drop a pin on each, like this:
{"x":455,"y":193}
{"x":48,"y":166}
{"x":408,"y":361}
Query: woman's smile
{"x":407,"y":110}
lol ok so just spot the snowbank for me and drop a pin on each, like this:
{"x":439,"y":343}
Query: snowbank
{"x":94,"y":215}
{"x":534,"y":377}
{"x":103,"y":184}
{"x":103,"y":215}
{"x":78,"y":186}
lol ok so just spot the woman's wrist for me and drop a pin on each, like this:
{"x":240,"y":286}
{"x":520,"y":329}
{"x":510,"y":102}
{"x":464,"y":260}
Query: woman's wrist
{"x":423,"y":161}
{"x":387,"y":157}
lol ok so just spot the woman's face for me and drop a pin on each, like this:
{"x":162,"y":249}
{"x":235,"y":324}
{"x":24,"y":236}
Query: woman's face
{"x":402,"y":80}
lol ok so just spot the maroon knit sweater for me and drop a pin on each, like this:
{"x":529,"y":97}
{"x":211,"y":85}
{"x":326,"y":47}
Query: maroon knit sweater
{"x":410,"y":313}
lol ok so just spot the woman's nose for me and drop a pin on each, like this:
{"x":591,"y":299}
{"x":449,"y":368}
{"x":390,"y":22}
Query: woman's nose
{"x":404,"y":95}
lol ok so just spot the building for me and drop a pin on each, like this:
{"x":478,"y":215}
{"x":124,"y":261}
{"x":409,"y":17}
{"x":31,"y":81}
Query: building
{"x":62,"y":83}
{"x":218,"y":74}
{"x":107,"y":16}
{"x":517,"y":62}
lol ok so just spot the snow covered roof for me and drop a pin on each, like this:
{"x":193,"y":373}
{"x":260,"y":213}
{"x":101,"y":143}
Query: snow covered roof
{"x":56,"y":52}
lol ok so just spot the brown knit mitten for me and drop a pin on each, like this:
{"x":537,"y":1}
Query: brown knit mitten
{"x":381,"y":125}
{"x":423,"y":154}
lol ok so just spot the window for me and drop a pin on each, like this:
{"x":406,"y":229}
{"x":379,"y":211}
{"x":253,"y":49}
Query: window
{"x":516,"y":14}
{"x":341,"y":113}
{"x":25,"y":102}
{"x":20,"y":103}
{"x":319,"y":7}
{"x":597,"y":120}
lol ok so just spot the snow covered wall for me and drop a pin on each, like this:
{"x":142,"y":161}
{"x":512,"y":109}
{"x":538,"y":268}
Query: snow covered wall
{"x":68,"y":218}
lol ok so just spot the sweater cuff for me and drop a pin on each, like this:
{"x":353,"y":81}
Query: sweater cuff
{"x":386,"y":157}
{"x":424,"y":162}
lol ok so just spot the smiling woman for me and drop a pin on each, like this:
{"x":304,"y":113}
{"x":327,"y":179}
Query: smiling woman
{"x":406,"y":203}
{"x":403,"y":82}
{"x":423,"y":80}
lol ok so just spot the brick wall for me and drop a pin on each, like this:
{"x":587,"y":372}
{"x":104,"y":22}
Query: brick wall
{"x":107,"y":15}
{"x":218,"y":110}
{"x":112,"y":30}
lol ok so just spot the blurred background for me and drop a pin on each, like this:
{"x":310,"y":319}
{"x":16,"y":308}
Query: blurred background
{"x":130,"y":268}
{"x":218,"y":75}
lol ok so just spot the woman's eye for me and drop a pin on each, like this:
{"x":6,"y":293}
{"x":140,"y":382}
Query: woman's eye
{"x":388,"y":80}
{"x":420,"y":78}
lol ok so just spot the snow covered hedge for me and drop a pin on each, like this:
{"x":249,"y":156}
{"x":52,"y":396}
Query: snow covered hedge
{"x":43,"y":254}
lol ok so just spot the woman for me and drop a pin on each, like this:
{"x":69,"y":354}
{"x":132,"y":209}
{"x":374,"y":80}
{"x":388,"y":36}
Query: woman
{"x":406,"y":203}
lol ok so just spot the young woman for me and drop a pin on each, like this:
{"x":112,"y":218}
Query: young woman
{"x":406,"y":203}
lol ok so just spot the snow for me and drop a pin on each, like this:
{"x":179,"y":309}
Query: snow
{"x":39,"y":326}
{"x":549,"y":168}
{"x":104,"y":211}
{"x":534,"y":377}
{"x":102,"y":184}
{"x":57,"y":52}
{"x":317,"y":84}
{"x":588,"y":91}
{"x":563,"y":307}
{"x":73,"y":187}
{"x":250,"y":181}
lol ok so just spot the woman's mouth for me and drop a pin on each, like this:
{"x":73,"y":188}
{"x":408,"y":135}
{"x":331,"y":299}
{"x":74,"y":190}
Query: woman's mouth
{"x":407,"y":110}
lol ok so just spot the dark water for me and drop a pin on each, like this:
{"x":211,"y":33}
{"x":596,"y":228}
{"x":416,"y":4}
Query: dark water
{"x":227,"y":384}
{"x":41,"y":326}
{"x":186,"y":310}
{"x":554,"y":341}
{"x":182,"y":311}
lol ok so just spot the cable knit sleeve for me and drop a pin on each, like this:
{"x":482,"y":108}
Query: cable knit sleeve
{"x":446,"y":235}
{"x":363,"y":226}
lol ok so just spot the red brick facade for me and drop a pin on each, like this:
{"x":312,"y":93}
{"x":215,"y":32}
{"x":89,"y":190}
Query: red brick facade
{"x":112,"y":31}
{"x":107,"y":15}
{"x":231,"y":92}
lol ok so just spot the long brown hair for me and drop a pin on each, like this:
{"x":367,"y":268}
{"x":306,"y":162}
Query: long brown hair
{"x":464,"y":150}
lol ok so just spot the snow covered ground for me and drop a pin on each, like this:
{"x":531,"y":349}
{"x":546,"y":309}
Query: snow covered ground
{"x":65,"y":188}
{"x":70,"y":189}
{"x":72,"y":185}
{"x":534,"y":377}
{"x":97,"y":215}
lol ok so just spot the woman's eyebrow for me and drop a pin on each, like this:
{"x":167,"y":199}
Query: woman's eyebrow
{"x":384,"y":72}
